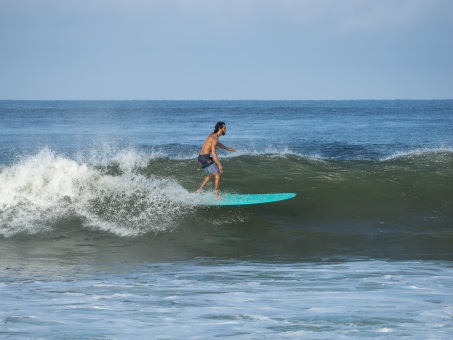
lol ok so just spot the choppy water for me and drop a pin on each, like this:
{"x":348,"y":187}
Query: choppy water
{"x":100,"y":236}
{"x":212,"y":298}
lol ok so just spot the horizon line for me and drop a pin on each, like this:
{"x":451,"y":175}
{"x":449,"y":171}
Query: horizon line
{"x":350,"y":99}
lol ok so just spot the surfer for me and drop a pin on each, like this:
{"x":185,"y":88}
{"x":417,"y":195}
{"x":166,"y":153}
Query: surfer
{"x":208,"y":157}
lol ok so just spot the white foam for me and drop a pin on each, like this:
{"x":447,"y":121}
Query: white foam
{"x":385,"y":330}
{"x":45,"y":188}
{"x":127,"y":158}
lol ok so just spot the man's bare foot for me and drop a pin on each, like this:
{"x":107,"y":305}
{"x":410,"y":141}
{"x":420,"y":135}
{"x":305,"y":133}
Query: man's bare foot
{"x":217,"y":196}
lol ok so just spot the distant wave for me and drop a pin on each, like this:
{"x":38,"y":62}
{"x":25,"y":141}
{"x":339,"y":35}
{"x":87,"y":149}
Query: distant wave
{"x":418,"y":152}
{"x":130,"y":157}
{"x":287,"y":151}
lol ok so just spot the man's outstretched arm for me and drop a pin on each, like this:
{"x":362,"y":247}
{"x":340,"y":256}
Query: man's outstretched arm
{"x":220,"y":145}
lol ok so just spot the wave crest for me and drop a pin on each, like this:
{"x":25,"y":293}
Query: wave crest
{"x":419,"y":152}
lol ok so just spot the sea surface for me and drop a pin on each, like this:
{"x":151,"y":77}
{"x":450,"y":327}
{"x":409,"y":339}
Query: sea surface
{"x":101,"y":236}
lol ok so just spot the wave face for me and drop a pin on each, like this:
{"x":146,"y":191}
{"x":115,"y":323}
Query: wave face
{"x":130,"y":194}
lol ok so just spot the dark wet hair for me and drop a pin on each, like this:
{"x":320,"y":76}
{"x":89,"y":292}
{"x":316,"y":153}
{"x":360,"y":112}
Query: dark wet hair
{"x":218,"y":126}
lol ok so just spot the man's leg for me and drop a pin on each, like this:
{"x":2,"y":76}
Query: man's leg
{"x":206,"y":180}
{"x":216,"y":183}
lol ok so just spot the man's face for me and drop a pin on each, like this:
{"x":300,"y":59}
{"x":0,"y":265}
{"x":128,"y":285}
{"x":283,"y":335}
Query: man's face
{"x":224,"y":129}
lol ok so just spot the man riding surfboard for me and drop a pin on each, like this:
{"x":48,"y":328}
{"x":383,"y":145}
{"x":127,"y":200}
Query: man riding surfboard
{"x":208,"y":157}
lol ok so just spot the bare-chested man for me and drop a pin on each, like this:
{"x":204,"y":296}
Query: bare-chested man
{"x":208,"y":157}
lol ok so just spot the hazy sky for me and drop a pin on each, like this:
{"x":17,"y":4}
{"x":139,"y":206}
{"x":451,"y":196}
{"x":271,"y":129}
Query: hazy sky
{"x":226,"y":49}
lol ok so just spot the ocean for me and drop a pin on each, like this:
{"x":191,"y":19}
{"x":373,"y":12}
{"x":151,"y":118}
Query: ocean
{"x":101,"y":237}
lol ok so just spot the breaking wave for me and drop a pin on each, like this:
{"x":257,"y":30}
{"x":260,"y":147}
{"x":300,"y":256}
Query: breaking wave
{"x":42,"y":190}
{"x":129,"y":193}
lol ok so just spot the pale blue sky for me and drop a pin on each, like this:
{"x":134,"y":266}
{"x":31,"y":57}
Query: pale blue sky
{"x":226,"y":49}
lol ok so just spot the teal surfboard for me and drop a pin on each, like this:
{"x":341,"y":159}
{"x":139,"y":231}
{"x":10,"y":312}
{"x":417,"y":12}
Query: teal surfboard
{"x":242,"y":199}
